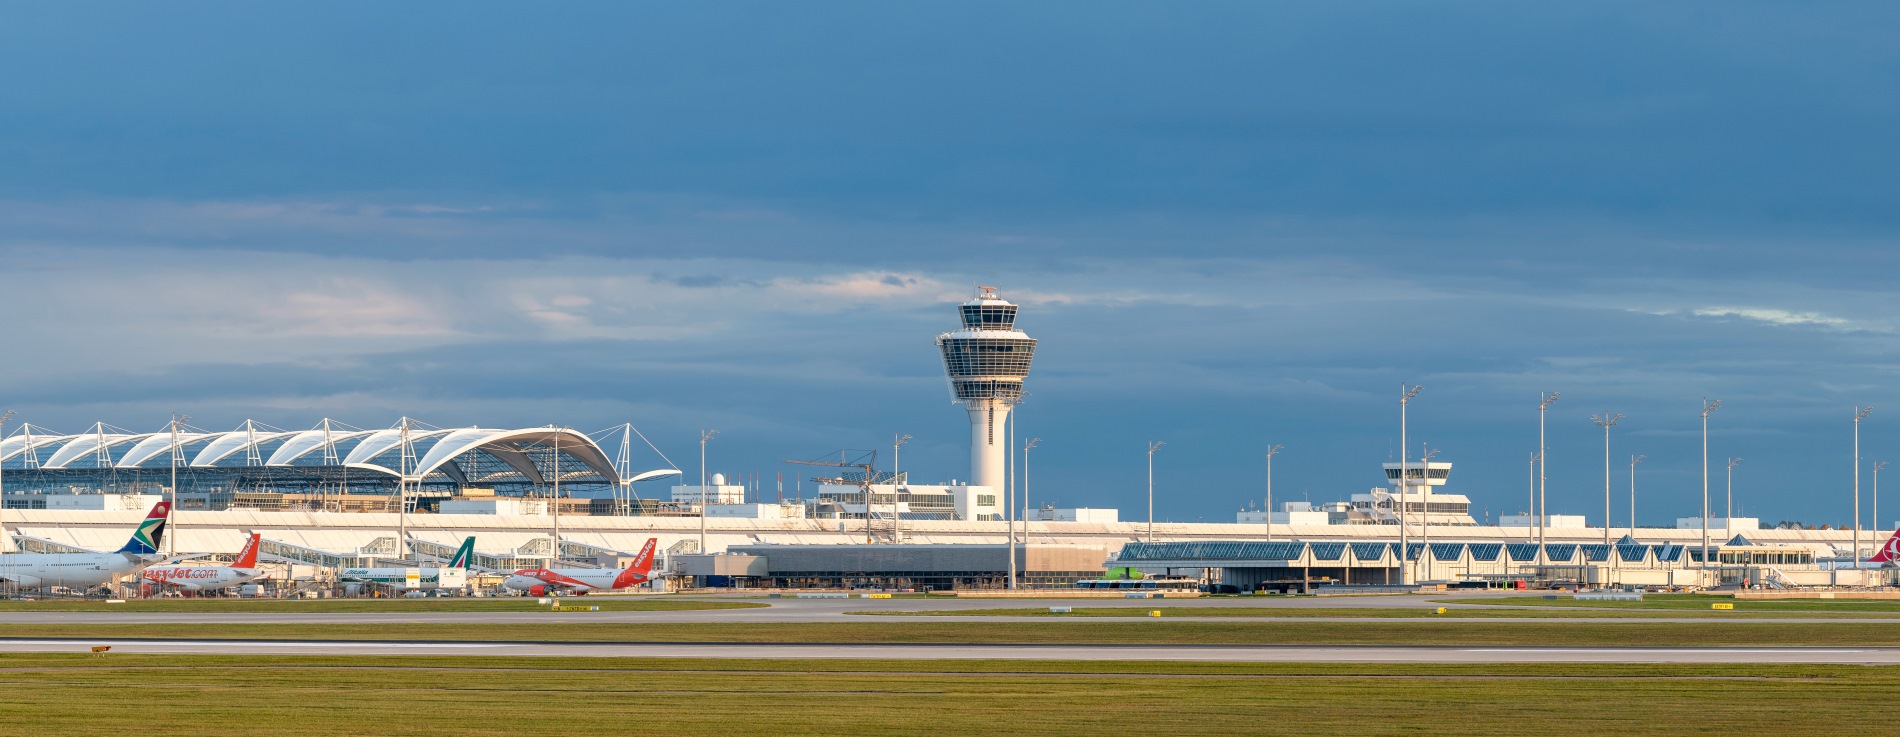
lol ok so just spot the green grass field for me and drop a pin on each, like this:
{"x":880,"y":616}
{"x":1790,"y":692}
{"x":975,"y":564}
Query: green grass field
{"x":384,"y":606}
{"x":213,"y":696}
{"x":574,"y":627}
{"x":1743,"y":612}
{"x":1686,"y":602}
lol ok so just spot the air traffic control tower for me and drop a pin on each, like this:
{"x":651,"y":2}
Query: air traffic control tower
{"x":986,"y":362}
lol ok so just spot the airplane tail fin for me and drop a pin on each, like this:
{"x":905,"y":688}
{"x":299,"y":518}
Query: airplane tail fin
{"x":465,"y":555}
{"x":1889,"y":553}
{"x":145,"y":539}
{"x":248,"y":557}
{"x":642,"y":565}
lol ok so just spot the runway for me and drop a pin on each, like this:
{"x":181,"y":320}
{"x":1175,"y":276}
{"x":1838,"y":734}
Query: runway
{"x":832,"y":651}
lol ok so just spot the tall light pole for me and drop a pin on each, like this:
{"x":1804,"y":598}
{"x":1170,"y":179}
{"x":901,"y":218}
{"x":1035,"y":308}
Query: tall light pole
{"x":1406,"y":393}
{"x":1635,"y":459}
{"x":897,"y":509}
{"x":1425,"y":494}
{"x":706,"y":436}
{"x":1728,"y":523}
{"x":1530,"y":503}
{"x":1876,"y":512}
{"x":3,"y":475}
{"x":1860,"y":413}
{"x":1543,"y":469}
{"x":1606,"y":421}
{"x":1272,"y":450}
{"x":1708,"y":406}
{"x":171,"y":541}
{"x":1028,"y":445}
{"x":1152,"y":447}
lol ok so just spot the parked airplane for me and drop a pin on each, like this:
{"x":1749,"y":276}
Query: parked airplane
{"x":85,"y":570}
{"x":208,"y":578}
{"x":426,"y":579}
{"x":1889,"y":555}
{"x":544,"y":581}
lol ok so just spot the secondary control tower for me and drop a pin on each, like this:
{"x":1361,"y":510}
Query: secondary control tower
{"x":986,"y":362}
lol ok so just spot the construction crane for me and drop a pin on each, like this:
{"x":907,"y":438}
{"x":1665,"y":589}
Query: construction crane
{"x":866,"y":462}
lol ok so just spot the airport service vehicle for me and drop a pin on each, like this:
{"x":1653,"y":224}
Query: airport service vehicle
{"x":208,"y":578}
{"x":85,"y":570}
{"x":452,"y":576}
{"x":549,"y":581}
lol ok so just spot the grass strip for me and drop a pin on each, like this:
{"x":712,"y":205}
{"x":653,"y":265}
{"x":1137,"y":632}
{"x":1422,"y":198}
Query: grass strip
{"x":1697,"y":602}
{"x":378,"y":606}
{"x":1360,"y":612}
{"x":213,"y":696}
{"x":1087,"y":631}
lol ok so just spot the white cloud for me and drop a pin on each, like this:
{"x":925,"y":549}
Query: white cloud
{"x":1774,"y":316}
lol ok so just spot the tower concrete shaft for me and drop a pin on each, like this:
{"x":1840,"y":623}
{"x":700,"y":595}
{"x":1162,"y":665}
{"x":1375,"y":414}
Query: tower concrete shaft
{"x":986,"y":361}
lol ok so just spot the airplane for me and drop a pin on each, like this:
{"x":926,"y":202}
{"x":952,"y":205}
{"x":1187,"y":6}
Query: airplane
{"x":1889,"y":555}
{"x":427,"y":579}
{"x":85,"y":570}
{"x":553,"y":581}
{"x":208,"y":578}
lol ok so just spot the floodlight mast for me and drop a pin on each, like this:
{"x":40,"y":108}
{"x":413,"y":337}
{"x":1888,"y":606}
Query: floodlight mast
{"x":1406,"y":393}
{"x":1860,"y":413}
{"x":897,"y":508}
{"x":177,"y":454}
{"x":1709,"y":406}
{"x":1028,"y":445}
{"x":1875,"y":514}
{"x":8,"y":415}
{"x":1425,"y":521}
{"x":706,"y":436}
{"x":1730,"y":513}
{"x":1543,"y":470}
{"x":1635,"y":459}
{"x":1606,"y":421}
{"x":1153,"y":446}
{"x":1530,"y":501}
{"x":1272,"y":450}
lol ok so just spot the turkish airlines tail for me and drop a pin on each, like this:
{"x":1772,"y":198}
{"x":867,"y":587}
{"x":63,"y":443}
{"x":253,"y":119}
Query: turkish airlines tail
{"x":642,"y":564}
{"x":1889,"y":553}
{"x":248,"y":557}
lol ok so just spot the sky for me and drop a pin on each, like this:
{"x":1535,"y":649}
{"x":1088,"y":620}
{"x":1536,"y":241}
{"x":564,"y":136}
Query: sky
{"x":1231,"y":225}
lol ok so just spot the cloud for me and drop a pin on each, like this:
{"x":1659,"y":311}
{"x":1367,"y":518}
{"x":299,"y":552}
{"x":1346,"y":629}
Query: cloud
{"x":1776,"y":316}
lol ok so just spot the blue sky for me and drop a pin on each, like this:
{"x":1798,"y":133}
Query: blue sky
{"x":1231,"y":224}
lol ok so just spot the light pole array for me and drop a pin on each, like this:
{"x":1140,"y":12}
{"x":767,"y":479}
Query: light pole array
{"x":1272,"y":450}
{"x":1876,"y":511}
{"x":897,"y":509}
{"x":1606,"y":421}
{"x":1406,"y":393}
{"x":706,"y":436}
{"x":1727,"y":523}
{"x":1860,"y":413}
{"x":1152,"y":447}
{"x":1028,"y":445}
{"x":1635,"y":459}
{"x":1530,"y":500}
{"x":1709,"y":406}
{"x":1543,"y":468}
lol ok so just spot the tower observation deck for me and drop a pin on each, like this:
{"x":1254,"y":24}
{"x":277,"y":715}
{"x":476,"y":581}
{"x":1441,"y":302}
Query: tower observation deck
{"x":986,"y":362}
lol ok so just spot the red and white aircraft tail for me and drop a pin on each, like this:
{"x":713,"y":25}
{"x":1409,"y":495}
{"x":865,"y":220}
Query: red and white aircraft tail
{"x":1889,"y":553}
{"x":247,"y":558}
{"x":642,"y":565}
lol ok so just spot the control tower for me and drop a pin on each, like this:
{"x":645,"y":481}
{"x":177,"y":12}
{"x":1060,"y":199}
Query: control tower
{"x":986,"y":361}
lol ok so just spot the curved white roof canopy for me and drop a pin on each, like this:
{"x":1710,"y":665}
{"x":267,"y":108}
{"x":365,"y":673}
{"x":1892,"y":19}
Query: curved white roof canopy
{"x":383,"y":441}
{"x":654,"y":474}
{"x":84,"y":446}
{"x":157,"y":445}
{"x":15,"y":446}
{"x":228,"y":443}
{"x":509,"y":447}
{"x":310,"y":441}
